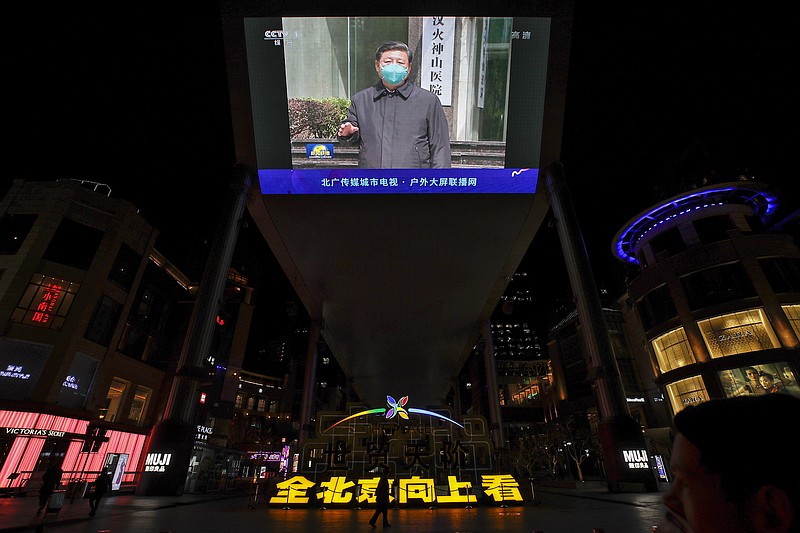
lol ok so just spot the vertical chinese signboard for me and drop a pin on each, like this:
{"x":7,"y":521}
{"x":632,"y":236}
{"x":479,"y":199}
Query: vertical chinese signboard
{"x":436,"y":67}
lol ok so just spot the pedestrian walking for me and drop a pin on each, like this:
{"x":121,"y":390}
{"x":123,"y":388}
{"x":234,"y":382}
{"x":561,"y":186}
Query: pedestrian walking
{"x":51,"y":479}
{"x":102,"y":486}
{"x":382,"y":501}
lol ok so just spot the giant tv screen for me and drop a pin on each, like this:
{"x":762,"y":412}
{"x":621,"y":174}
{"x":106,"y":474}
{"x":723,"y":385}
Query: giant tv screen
{"x":489,"y":73}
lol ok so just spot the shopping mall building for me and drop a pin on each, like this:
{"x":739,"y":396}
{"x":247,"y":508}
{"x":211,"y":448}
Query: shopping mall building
{"x":712,"y":310}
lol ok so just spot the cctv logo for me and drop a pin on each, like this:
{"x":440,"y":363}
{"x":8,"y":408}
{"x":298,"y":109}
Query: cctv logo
{"x":273,"y":35}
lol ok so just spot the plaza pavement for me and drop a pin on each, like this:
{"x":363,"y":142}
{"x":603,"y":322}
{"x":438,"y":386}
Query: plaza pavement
{"x":590,"y":508}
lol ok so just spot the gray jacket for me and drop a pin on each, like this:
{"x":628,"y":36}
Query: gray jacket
{"x":404,"y":129}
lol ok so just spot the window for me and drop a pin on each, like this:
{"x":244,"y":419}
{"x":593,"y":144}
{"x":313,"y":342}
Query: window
{"x":75,"y":386}
{"x":492,"y":124}
{"x":672,"y":350}
{"x":114,"y":399}
{"x":250,"y":403}
{"x":627,"y":374}
{"x":104,"y":320}
{"x":793,"y":314}
{"x":656,"y":307}
{"x":126,"y":264}
{"x":46,"y":302}
{"x":524,"y":392}
{"x":262,"y":404}
{"x":156,"y":307}
{"x":239,"y":401}
{"x":53,"y":450}
{"x":154,"y":301}
{"x":670,"y":241}
{"x":13,"y":231}
{"x":73,"y":244}
{"x":717,"y":285}
{"x":574,"y":366}
{"x":139,"y":404}
{"x":754,"y":222}
{"x":745,"y":331}
{"x":21,"y":364}
{"x":713,"y":229}
{"x":686,"y":392}
{"x":133,"y":341}
{"x":783,"y":273}
{"x":147,"y":297}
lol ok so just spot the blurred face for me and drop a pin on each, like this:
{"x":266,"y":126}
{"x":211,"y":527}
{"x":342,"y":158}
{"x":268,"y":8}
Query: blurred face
{"x":696,"y":495}
{"x":765,"y":381}
{"x":752,"y":375}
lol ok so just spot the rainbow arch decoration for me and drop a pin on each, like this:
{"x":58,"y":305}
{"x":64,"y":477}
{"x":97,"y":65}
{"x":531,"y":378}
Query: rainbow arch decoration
{"x":395,"y":408}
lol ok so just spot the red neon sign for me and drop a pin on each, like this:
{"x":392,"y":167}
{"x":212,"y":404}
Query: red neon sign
{"x":47,"y":303}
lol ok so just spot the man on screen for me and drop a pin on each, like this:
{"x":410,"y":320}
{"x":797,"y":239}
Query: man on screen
{"x":395,"y":123}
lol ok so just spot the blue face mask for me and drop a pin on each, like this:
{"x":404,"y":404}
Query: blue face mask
{"x":394,"y":73}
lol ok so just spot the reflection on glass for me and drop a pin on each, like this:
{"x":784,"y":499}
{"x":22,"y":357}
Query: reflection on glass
{"x":114,"y":397}
{"x":139,"y":403}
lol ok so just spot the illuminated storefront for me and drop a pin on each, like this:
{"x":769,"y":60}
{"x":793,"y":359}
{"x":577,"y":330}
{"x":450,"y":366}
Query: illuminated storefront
{"x":263,"y":465}
{"x":718,"y":303}
{"x":210,"y":467}
{"x":746,"y":331}
{"x":34,"y":439}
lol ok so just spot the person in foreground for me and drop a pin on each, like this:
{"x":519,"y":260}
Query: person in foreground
{"x":730,"y":480}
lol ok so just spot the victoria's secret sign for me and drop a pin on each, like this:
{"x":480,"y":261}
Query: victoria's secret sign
{"x":34,"y":432}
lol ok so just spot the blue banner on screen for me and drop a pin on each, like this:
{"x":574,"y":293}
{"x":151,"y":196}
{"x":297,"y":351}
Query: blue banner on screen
{"x":399,"y":181}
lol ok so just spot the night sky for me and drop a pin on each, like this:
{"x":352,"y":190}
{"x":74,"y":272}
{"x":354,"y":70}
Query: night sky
{"x":135,"y":97}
